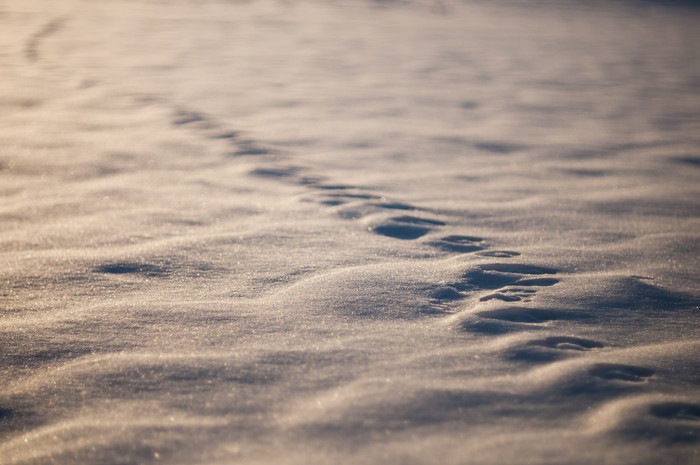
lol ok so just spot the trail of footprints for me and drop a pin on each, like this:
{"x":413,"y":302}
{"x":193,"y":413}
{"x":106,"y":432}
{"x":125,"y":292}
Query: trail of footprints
{"x":505,"y":289}
{"x":496,"y":283}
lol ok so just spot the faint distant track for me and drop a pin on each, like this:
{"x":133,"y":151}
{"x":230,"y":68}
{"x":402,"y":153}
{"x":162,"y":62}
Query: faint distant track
{"x":31,"y":50}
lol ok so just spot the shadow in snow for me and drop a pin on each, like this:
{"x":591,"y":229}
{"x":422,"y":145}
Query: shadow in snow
{"x":619,"y":372}
{"x":145,"y":269}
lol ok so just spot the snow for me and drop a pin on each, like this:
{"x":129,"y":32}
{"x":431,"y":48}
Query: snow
{"x":306,"y":232}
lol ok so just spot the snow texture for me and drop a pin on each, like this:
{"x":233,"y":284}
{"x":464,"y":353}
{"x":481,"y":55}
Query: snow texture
{"x":357,"y":232}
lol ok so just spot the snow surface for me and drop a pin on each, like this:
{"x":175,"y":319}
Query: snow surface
{"x":314,"y":232}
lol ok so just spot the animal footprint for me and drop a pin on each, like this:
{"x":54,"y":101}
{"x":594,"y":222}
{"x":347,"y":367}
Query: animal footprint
{"x":228,"y":135}
{"x":510,"y":295}
{"x":251,"y":150}
{"x":331,"y":187}
{"x":387,"y":205}
{"x":444,"y":298}
{"x":144,"y":269}
{"x":188,"y":117}
{"x":499,"y":275}
{"x":509,"y":319}
{"x":334,"y":199}
{"x":461,"y":244}
{"x":405,"y":227}
{"x":520,"y":315}
{"x":499,"y":253}
{"x":346,"y":197}
{"x":567,"y":343}
{"x":552,"y":348}
{"x":373,"y":205}
{"x":544,"y":282}
{"x":619,"y":372}
{"x":282,"y":172}
{"x":518,"y":268}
